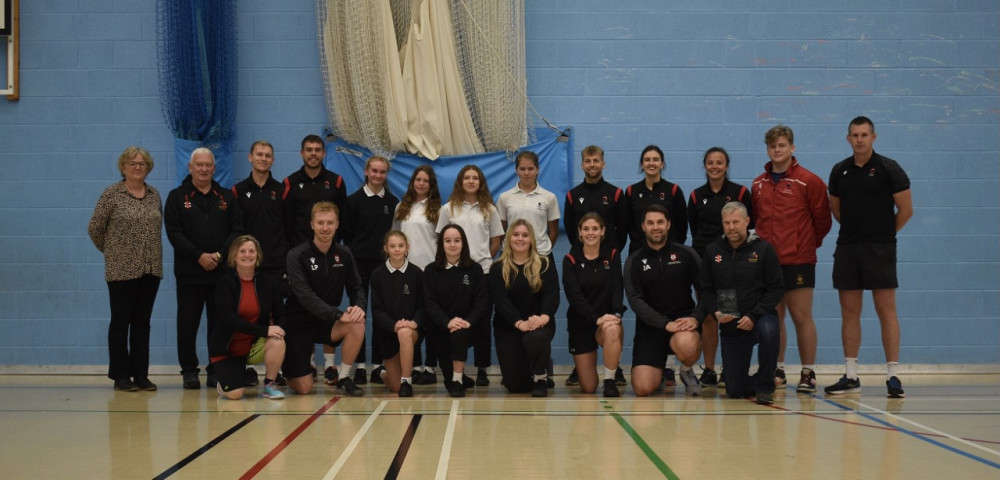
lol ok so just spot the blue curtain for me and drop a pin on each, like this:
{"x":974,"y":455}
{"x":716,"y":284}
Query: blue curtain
{"x":553,"y":148}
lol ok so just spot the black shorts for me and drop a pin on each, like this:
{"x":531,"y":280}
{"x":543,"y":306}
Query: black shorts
{"x":581,"y":342}
{"x":865,"y":266}
{"x":231,"y":373}
{"x":300,"y":344}
{"x":388,"y":343}
{"x":799,"y":276}
{"x":650,"y":346}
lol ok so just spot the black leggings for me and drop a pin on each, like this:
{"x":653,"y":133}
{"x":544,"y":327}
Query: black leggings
{"x":522,"y":355}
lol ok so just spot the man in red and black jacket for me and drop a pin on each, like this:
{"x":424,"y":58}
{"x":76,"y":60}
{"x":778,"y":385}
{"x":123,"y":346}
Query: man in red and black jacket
{"x":201,"y":219}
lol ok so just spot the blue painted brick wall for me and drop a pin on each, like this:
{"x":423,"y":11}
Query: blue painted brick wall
{"x":684,"y":75}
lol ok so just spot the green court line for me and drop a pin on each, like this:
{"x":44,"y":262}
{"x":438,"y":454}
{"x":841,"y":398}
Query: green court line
{"x":653,"y":457}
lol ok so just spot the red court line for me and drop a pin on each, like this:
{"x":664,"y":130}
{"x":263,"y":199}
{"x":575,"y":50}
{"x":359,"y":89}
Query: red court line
{"x":254,"y":470}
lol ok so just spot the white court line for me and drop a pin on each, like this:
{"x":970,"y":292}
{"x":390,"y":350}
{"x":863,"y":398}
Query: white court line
{"x":354,"y":442}
{"x":925,"y":427}
{"x":449,"y":435}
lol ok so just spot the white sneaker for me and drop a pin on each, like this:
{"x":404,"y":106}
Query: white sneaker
{"x":691,"y":384}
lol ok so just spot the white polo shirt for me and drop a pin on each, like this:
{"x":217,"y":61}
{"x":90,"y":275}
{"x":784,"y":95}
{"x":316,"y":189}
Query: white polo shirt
{"x":420,"y":232}
{"x":538,"y":207}
{"x":478,"y":229}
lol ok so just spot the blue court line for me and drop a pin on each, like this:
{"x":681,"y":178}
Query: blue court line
{"x":912,"y":434}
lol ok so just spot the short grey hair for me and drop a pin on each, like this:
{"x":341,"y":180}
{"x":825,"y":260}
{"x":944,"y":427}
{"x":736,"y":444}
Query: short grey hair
{"x":201,"y":150}
{"x":735,"y":207}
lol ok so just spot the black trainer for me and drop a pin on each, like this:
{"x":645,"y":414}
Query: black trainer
{"x":540,"y":389}
{"x":280,"y":380}
{"x":191,"y":381}
{"x":360,"y":377}
{"x":377,"y":375}
{"x":467,"y":381}
{"x":144,"y":384}
{"x":347,"y":387}
{"x":211,"y":380}
{"x":708,"y":378}
{"x":330,"y":375}
{"x":610,"y":389}
{"x":125,"y":385}
{"x":620,"y":377}
{"x":455,"y":389}
{"x":405,"y":389}
{"x":251,"y":377}
{"x":573,"y":379}
{"x":482,"y":379}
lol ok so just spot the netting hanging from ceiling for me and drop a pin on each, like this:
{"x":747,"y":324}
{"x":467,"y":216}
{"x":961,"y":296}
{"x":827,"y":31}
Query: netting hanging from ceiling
{"x":427,"y":77}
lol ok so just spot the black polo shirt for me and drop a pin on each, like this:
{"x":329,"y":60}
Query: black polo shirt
{"x":867,"y":209}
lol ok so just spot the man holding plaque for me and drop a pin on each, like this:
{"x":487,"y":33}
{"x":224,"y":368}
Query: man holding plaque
{"x":741,"y":285}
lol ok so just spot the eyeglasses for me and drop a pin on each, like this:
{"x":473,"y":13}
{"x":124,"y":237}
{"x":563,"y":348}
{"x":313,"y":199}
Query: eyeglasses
{"x":139,"y":165}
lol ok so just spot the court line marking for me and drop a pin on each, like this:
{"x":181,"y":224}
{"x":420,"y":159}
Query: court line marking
{"x":653,"y":457}
{"x":257,"y":467}
{"x":354,"y":442}
{"x":449,"y":436}
{"x":404,"y":447}
{"x":197,"y":453}
{"x":925,"y":427}
{"x":908,"y":432}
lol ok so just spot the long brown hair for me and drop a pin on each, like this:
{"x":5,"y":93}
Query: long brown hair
{"x":482,"y":196}
{"x":433,"y":197}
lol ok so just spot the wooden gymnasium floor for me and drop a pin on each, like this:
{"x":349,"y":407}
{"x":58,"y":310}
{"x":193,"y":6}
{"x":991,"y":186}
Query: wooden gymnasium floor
{"x":78,"y":427}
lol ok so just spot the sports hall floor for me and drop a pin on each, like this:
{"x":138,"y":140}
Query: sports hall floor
{"x":78,"y":427}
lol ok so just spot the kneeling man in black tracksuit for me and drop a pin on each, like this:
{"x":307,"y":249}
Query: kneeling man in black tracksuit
{"x":741,"y":285}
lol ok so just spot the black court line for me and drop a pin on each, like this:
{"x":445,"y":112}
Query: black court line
{"x":404,"y":446}
{"x":197,"y":453}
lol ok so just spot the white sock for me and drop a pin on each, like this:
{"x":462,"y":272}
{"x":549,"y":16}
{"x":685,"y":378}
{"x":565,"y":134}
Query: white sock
{"x":852,"y":367}
{"x":892,"y":369}
{"x":344,"y":371}
{"x":328,"y":359}
{"x":541,"y":377}
{"x":609,"y":373}
{"x":359,"y":365}
{"x":810,"y":368}
{"x":671,"y":360}
{"x":405,"y":380}
{"x":456,"y":377}
{"x":685,"y":368}
{"x":781,"y":365}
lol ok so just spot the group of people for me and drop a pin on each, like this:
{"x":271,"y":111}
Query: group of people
{"x":444,"y":274}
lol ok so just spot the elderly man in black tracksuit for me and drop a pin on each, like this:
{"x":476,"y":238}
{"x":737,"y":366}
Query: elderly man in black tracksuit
{"x":741,"y":285}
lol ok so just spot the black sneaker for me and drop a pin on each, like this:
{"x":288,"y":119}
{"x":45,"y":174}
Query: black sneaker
{"x":549,"y":382}
{"x":251,"y":377}
{"x":708,"y":378}
{"x":377,"y":375}
{"x":347,"y":387}
{"x":360,"y":377}
{"x":844,"y":385}
{"x":573,"y":379}
{"x":430,"y":378}
{"x":330,"y":375}
{"x":455,"y":389}
{"x":191,"y":381}
{"x":669,"y":378}
{"x":722,"y":379}
{"x":280,"y":380}
{"x":482,"y":379}
{"x":540,"y":389}
{"x":315,"y":374}
{"x":620,"y":377}
{"x":467,"y":381}
{"x":144,"y":384}
{"x":126,"y":385}
{"x":779,"y":377}
{"x":610,"y":389}
{"x":807,"y":381}
{"x":405,"y":389}
{"x":765,"y":398}
{"x":895,"y":388}
{"x":211,"y":380}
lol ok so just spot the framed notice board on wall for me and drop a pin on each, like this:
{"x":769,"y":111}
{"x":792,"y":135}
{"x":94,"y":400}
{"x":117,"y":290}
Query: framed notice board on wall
{"x":5,"y":18}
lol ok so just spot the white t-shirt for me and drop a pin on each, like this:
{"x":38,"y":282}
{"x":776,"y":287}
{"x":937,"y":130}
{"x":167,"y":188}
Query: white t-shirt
{"x":538,"y":207}
{"x":420,"y":232}
{"x":478,"y":230}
